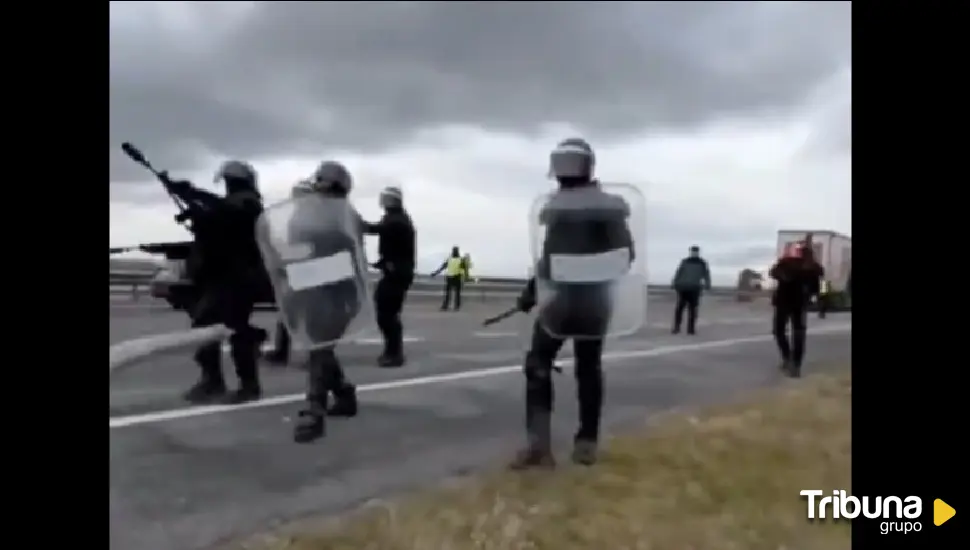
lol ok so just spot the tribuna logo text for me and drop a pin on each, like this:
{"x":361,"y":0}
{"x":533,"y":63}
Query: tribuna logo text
{"x":896,"y":512}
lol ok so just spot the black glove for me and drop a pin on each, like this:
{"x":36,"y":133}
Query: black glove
{"x":526,"y":302}
{"x":179,"y":186}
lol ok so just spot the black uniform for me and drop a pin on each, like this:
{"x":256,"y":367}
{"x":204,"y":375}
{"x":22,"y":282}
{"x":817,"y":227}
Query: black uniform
{"x":318,"y":309}
{"x":227,"y":268}
{"x":798,"y":280}
{"x":397,"y":258}
{"x":578,"y":309}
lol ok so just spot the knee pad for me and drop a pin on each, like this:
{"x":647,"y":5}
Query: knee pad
{"x":536,"y":368}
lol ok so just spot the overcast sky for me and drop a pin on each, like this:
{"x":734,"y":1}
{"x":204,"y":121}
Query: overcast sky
{"x":732,"y":117}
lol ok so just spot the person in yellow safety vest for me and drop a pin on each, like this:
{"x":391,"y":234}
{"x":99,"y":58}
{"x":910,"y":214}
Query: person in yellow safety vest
{"x":823,"y":298}
{"x":466,"y":267}
{"x":454,"y":273}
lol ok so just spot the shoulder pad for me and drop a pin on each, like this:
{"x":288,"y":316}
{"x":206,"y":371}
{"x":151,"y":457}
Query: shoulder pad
{"x":245,"y":199}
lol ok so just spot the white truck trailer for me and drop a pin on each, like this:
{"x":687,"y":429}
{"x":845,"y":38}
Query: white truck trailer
{"x":834,"y":251}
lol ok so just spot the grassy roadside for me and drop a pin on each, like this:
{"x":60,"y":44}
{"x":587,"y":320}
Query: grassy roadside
{"x":724,"y":478}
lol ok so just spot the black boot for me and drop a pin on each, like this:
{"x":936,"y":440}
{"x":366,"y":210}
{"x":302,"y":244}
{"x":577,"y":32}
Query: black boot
{"x":391,"y":361}
{"x":245,"y":350}
{"x":585,"y":452}
{"x":206,"y":391}
{"x":785,"y":367}
{"x":211,"y":387}
{"x":344,"y":402}
{"x":246,"y":393}
{"x":531,"y":458}
{"x":311,"y":426}
{"x":538,"y":451}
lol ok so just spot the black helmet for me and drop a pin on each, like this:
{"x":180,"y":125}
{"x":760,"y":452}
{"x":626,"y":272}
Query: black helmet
{"x":392,"y":197}
{"x":572,"y":161}
{"x":332,"y":178}
{"x":238,"y":176}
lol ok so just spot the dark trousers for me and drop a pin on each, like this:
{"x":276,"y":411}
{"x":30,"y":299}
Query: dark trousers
{"x":823,"y":305}
{"x":281,"y":346}
{"x":793,"y":314}
{"x":689,"y":300}
{"x":324,"y":375}
{"x":325,"y":323}
{"x":539,"y":363}
{"x":389,"y":298}
{"x":452,"y":286}
{"x":232,"y":306}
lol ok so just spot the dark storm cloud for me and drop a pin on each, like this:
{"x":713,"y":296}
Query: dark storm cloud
{"x":303,"y":76}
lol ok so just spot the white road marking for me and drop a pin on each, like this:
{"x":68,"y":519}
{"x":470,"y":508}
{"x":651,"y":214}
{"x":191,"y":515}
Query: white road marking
{"x":176,"y":414}
{"x":657,"y":325}
{"x":496,"y":334}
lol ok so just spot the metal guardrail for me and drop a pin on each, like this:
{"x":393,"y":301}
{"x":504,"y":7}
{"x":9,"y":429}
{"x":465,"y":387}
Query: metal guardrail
{"x":136,"y":285}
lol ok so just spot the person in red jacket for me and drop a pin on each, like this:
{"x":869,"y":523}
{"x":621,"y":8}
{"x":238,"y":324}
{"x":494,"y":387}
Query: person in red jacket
{"x":798,"y":276}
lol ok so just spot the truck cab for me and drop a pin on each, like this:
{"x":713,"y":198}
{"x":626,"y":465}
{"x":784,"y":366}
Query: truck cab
{"x":172,"y":282}
{"x":833,"y":251}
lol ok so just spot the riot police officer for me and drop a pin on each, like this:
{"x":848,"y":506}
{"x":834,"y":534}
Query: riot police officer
{"x":396,"y":250}
{"x":326,"y":311}
{"x":226,"y":267}
{"x":585,"y":224}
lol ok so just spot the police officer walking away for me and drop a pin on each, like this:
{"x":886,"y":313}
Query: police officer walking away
{"x":691,"y":277}
{"x":228,"y":270}
{"x":582,"y":222}
{"x":454,"y":268}
{"x":328,"y":318}
{"x":396,"y":250}
{"x":798,"y":276}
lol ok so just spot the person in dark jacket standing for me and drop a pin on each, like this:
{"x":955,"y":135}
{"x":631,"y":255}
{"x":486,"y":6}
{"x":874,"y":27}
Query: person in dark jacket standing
{"x":692,"y":276}
{"x":396,"y":250}
{"x":798,"y":276}
{"x":454,"y":268}
{"x":227,"y":268}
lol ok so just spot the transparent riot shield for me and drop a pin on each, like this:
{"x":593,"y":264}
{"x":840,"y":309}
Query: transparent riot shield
{"x":312,"y":247}
{"x":590,"y":261}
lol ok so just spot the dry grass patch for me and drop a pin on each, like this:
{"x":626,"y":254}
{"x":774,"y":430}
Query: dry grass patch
{"x":727,"y":478}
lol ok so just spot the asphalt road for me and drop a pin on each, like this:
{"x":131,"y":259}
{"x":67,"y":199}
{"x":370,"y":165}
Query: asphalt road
{"x":187,"y":478}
